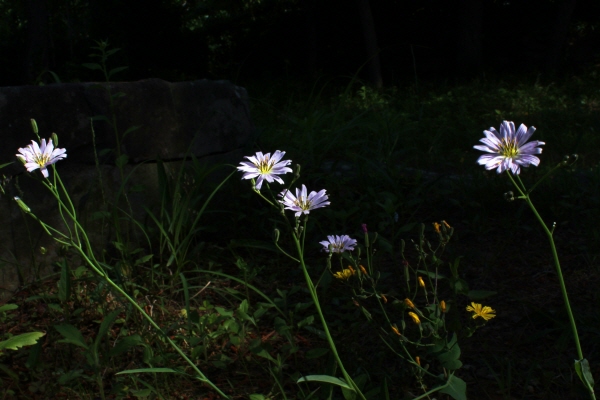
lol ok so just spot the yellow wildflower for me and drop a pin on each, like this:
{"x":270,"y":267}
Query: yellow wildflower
{"x":418,"y":360}
{"x":443,"y":306}
{"x":345,"y":273}
{"x":363,"y":270}
{"x":409,"y":303}
{"x":478,"y":310}
{"x":421,"y":282}
{"x":436,"y":226}
{"x":414,"y":317}
{"x":396,"y":331}
{"x":384,"y":298}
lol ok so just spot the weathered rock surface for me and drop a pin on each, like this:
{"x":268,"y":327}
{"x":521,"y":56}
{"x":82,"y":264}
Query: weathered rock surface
{"x":207,"y":119}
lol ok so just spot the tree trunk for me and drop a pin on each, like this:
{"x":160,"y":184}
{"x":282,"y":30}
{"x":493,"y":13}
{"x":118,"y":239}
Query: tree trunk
{"x":368,"y":27}
{"x":469,"y":55}
{"x":38,"y":39}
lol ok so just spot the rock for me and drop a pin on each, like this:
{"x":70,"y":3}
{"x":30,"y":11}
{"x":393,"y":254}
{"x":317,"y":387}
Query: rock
{"x":207,"y":119}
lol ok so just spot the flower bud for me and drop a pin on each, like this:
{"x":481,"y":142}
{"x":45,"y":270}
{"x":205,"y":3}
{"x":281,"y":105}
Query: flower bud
{"x":421,"y":282}
{"x":55,"y":139}
{"x":34,"y":126}
{"x":409,"y":303}
{"x":22,"y":205}
{"x":509,"y":196}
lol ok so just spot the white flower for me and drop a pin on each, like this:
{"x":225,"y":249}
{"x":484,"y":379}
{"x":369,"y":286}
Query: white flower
{"x":339,"y":244}
{"x":265,"y":167}
{"x":508,"y":148}
{"x":34,"y":156}
{"x":303,"y":203}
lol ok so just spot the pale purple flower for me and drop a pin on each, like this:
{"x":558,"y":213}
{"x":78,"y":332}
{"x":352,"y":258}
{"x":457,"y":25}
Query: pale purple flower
{"x":508,"y":148}
{"x":34,"y":156}
{"x":303,"y":203}
{"x":338,"y":244}
{"x":265,"y":167}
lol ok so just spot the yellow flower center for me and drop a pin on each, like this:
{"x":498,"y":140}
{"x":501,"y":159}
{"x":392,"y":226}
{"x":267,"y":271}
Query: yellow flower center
{"x":41,"y":159}
{"x":509,"y":148}
{"x":266,"y":165}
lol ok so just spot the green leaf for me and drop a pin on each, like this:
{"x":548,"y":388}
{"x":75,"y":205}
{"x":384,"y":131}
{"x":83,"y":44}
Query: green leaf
{"x":121,"y":160}
{"x":153,"y":370}
{"x":104,"y":326}
{"x":71,"y":335}
{"x":479,"y":295}
{"x":64,"y":283}
{"x":316,"y":353}
{"x":582,"y":367}
{"x":92,"y":66}
{"x":125,"y":344}
{"x":457,"y":388}
{"x":326,"y":379}
{"x":257,"y":397}
{"x":116,"y":70}
{"x":24,"y":339}
{"x":8,"y":307}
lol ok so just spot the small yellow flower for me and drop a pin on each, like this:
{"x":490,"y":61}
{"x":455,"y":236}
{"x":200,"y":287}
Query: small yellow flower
{"x":418,"y":360}
{"x":421,"y":282}
{"x":446,"y":225}
{"x":436,"y":226}
{"x":478,"y":310}
{"x":443,"y":306}
{"x":363,"y":270}
{"x":345,"y":274}
{"x":409,"y":303}
{"x":414,"y":317}
{"x":384,"y":298}
{"x":183,"y":313}
{"x":396,"y":331}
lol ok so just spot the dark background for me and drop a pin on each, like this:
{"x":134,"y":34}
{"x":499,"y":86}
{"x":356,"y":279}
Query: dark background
{"x":242,"y":40}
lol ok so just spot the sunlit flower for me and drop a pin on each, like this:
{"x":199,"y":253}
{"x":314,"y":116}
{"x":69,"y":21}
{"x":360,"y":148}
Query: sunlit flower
{"x":396,"y":331}
{"x":409,"y":303}
{"x":508,"y":148}
{"x":41,"y":156}
{"x":385,"y":300}
{"x":265,"y":167}
{"x":363,"y":270}
{"x":478,"y":310}
{"x":418,"y":360}
{"x":421,"y":282}
{"x":414,"y":317}
{"x":338,"y":244}
{"x":436,"y":227}
{"x":345,"y":274}
{"x":303,"y":203}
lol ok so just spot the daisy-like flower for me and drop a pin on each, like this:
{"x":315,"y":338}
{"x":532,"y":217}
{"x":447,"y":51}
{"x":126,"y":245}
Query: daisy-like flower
{"x":265,"y":167}
{"x":41,"y":156}
{"x":339,"y":244}
{"x":345,"y":274}
{"x":303,"y":203}
{"x":478,"y":310}
{"x":508,"y":149}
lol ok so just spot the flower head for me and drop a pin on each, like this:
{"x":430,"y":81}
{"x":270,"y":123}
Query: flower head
{"x":345,"y":274}
{"x":421,"y":282}
{"x":41,"y":156}
{"x":409,"y":303}
{"x":443,"y":306}
{"x":303,"y":203}
{"x":478,"y":310}
{"x":338,"y":244}
{"x":265,"y":167}
{"x":414,"y":317}
{"x":508,"y":148}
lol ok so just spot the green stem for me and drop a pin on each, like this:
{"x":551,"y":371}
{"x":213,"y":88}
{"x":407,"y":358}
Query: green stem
{"x":563,"y":288}
{"x":315,"y":298}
